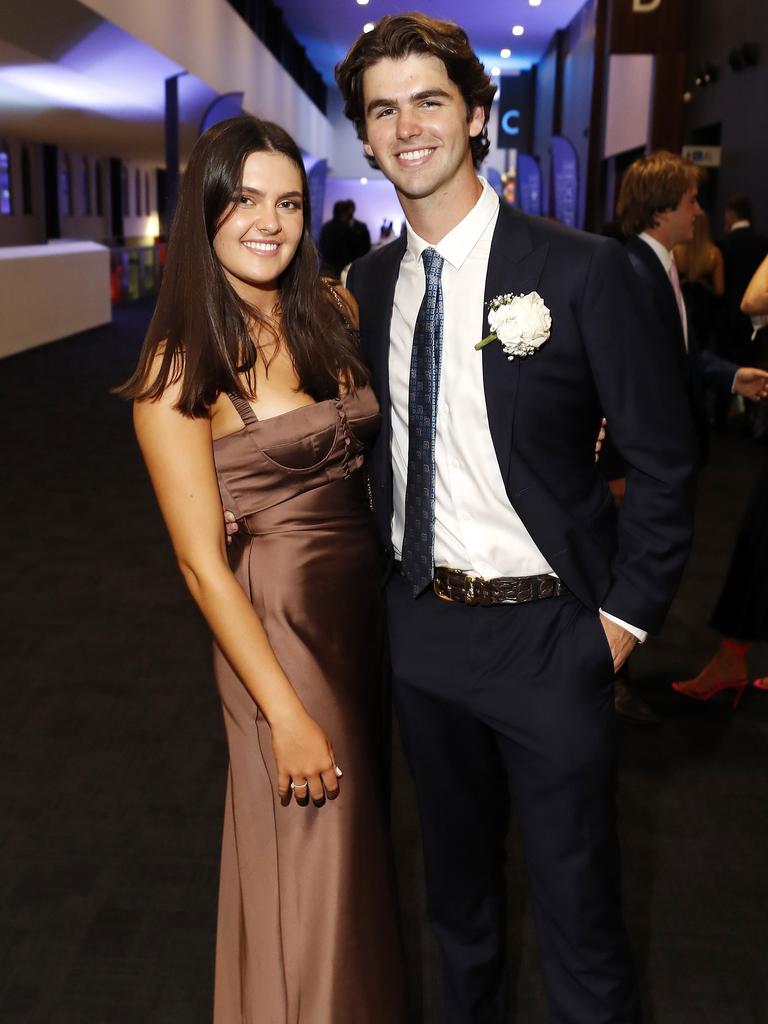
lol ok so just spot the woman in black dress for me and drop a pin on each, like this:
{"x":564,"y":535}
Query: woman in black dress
{"x":741,"y":614}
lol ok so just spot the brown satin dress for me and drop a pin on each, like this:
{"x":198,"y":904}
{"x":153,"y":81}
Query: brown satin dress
{"x":308,"y":930}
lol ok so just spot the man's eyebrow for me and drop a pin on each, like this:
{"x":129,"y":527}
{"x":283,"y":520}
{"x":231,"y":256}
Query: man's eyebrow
{"x":423,"y":94}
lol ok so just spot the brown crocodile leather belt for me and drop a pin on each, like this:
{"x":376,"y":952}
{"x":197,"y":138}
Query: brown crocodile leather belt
{"x":455,"y":585}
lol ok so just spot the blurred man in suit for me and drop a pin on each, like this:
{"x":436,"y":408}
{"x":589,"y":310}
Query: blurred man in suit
{"x":743,"y":251}
{"x":658,"y":205}
{"x":657,"y":209}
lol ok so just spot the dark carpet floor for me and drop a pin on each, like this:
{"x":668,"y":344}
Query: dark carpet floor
{"x":112,"y":755}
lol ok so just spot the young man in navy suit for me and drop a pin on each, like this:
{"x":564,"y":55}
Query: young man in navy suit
{"x":515,"y":590}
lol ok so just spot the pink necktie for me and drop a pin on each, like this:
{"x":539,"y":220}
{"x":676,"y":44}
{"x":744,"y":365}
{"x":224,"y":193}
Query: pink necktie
{"x":674,"y":277}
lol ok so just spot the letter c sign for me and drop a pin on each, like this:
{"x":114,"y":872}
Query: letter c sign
{"x":506,"y":122}
{"x":645,"y":6}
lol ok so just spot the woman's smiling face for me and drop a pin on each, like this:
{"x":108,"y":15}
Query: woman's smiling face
{"x":255,"y":242}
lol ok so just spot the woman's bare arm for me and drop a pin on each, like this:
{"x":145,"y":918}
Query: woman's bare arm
{"x":179,"y":455}
{"x":755,"y":300}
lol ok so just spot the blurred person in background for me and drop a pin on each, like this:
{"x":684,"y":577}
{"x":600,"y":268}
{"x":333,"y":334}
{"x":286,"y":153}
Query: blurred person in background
{"x":658,"y":205}
{"x":658,"y":209}
{"x":700,"y":265}
{"x":743,"y":250}
{"x":338,"y":241}
{"x":741,"y":614}
{"x":251,"y":390}
{"x":360,"y":233}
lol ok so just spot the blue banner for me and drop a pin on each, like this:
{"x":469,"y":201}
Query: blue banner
{"x":494,"y":179}
{"x":316,"y":179}
{"x":223,"y":107}
{"x":528,"y":184}
{"x":515,"y":107}
{"x":565,"y":181}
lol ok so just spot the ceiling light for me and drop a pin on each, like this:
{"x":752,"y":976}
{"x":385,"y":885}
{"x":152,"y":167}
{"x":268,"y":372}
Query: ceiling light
{"x":495,"y":72}
{"x":517,"y":30}
{"x":363,"y":181}
{"x":362,"y":3}
{"x":531,"y":3}
{"x":368,"y":26}
{"x":506,"y":52}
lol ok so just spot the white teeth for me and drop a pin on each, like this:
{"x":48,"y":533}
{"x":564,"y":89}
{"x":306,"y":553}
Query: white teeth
{"x":416,"y":154}
{"x":262,"y":246}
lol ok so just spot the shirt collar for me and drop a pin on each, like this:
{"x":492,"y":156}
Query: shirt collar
{"x":664,"y":254}
{"x":456,"y":246}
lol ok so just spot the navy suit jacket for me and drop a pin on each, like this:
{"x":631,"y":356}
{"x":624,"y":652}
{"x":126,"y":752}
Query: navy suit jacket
{"x":698,"y":367}
{"x":544,"y":412}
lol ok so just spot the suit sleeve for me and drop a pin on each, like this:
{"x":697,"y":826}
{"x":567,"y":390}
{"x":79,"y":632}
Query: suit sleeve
{"x":717,"y":372}
{"x":642,"y":395}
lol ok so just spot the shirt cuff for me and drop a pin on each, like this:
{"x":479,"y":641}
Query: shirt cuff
{"x":640,"y":634}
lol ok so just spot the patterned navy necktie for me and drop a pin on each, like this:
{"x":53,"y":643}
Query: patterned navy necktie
{"x":419,"y":535}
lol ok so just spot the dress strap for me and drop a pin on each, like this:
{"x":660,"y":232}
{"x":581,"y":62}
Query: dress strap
{"x":342,"y":309}
{"x":246,"y":413}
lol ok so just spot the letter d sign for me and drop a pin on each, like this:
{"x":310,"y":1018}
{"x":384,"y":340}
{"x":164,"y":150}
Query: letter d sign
{"x":645,"y":6}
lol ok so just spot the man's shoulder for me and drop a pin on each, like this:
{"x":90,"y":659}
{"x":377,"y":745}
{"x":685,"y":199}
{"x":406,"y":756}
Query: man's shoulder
{"x":377,"y":262}
{"x":543,"y":230}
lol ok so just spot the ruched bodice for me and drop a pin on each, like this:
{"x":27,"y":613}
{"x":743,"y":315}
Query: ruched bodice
{"x":273,"y":462}
{"x":307,"y":928}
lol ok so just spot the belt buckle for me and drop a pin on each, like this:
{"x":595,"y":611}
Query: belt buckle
{"x":439,"y":592}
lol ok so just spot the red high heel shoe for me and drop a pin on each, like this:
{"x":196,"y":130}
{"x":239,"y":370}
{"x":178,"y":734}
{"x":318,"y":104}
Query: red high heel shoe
{"x":731,"y":651}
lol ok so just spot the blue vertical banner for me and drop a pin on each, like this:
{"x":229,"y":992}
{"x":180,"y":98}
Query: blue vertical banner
{"x":494,"y":179}
{"x":223,"y":107}
{"x":528,"y":184}
{"x":515,"y":107}
{"x":564,"y":173}
{"x":316,"y":176}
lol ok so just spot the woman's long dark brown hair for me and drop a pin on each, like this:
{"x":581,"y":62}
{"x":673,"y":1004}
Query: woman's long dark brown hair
{"x":202,"y":327}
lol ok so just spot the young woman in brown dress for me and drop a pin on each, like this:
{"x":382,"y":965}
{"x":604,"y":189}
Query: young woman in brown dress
{"x":250,"y":393}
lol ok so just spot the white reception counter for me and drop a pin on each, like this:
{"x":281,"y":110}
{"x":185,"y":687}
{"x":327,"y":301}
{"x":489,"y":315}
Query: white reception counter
{"x":50,"y":291}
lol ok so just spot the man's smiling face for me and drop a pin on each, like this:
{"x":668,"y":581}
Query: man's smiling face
{"x":416,"y":125}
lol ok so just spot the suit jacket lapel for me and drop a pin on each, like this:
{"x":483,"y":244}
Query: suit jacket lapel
{"x":379,"y":301}
{"x":514,"y":266}
{"x":663,"y":289}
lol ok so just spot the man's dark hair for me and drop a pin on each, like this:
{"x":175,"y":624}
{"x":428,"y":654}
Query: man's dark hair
{"x":741,"y":205}
{"x":396,"y":37}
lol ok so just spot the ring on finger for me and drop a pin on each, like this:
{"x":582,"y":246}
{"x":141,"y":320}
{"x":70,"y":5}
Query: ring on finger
{"x":299,"y":785}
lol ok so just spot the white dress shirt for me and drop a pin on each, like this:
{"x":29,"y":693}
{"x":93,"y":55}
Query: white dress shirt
{"x":476,"y":528}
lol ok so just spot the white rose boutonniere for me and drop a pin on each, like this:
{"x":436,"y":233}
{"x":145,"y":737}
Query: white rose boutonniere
{"x":522,"y":323}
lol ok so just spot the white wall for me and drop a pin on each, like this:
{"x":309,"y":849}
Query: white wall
{"x":48,"y":292}
{"x":211,"y":40}
{"x":628,"y":113}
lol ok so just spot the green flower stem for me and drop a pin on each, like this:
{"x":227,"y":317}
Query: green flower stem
{"x":486,"y":341}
